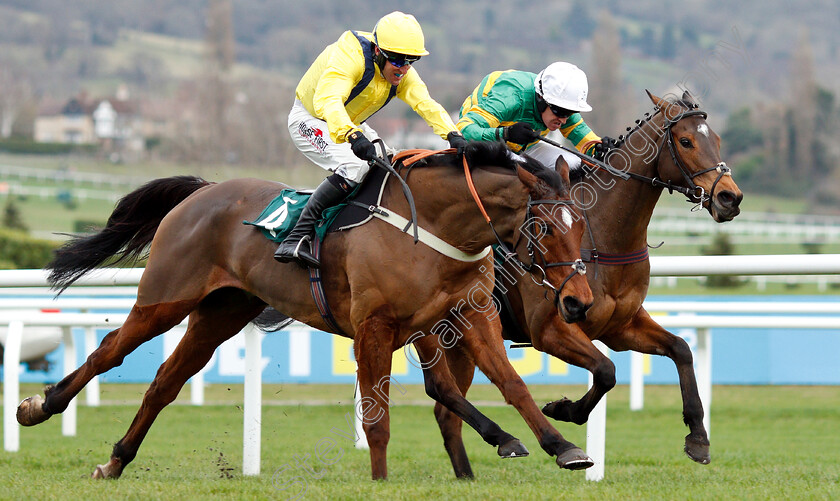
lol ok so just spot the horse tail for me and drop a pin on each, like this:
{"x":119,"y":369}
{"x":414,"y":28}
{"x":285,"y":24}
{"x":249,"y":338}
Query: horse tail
{"x":126,"y":235}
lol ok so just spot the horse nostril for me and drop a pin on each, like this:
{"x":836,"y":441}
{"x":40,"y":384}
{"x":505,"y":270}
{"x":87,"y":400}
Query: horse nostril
{"x":729,"y":199}
{"x":574,"y":307}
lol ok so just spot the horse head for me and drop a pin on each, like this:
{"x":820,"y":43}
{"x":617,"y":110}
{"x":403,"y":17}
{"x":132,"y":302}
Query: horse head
{"x":551,"y":238}
{"x":693,"y":158}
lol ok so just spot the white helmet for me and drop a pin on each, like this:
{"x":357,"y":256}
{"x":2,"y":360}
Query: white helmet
{"x":563,"y":85}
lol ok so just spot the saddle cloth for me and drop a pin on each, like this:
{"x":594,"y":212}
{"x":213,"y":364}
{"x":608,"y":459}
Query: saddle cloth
{"x":281,"y":214}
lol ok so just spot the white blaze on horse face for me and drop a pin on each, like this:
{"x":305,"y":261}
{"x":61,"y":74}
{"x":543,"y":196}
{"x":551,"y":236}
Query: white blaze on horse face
{"x":567,"y":218}
{"x":703,"y":129}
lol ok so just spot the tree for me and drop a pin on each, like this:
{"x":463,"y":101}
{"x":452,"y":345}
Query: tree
{"x":219,"y":39}
{"x":12,"y":218}
{"x":668,"y":44}
{"x":803,"y":107}
{"x":740,"y":135}
{"x":579,"y":22}
{"x":215,"y":92}
{"x":721,"y":246}
{"x":15,"y":95}
{"x":606,"y":91}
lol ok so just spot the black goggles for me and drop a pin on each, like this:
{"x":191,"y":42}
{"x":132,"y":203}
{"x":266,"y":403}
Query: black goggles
{"x":399,"y":60}
{"x":561,"y":112}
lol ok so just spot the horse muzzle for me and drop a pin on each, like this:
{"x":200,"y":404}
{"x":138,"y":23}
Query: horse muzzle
{"x":573,"y":309}
{"x":725,"y":205}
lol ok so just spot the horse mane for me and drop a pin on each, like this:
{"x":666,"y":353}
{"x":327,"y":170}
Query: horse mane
{"x":682,"y":102}
{"x":491,"y":153}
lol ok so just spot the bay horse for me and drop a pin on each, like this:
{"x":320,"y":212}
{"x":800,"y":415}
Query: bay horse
{"x":382,"y":288}
{"x":672,"y":148}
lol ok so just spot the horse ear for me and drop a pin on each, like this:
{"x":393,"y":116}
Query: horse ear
{"x":658,"y":101}
{"x":562,"y":168}
{"x":528,"y":179}
{"x":688,"y":98}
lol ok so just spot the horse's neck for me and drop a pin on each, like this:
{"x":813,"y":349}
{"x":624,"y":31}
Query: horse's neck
{"x":623,"y":208}
{"x":446,"y":208}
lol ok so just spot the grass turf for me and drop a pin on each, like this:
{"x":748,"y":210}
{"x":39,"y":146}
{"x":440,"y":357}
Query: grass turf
{"x":768,"y":442}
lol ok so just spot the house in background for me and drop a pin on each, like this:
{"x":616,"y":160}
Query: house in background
{"x":114,"y":123}
{"x":67,"y":123}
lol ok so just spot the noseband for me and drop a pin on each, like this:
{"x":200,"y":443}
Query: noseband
{"x":538,"y":271}
{"x":694,"y":193}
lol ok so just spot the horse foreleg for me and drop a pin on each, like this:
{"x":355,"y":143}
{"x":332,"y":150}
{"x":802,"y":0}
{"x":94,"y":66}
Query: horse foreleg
{"x":210,"y":325}
{"x":142,"y":324}
{"x":441,"y":386}
{"x":485,"y":343}
{"x":646,"y":336}
{"x":373,"y":347}
{"x":570,"y":344}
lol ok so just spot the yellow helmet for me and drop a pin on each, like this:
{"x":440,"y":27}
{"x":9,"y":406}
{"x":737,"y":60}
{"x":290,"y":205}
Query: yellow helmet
{"x":400,"y":33}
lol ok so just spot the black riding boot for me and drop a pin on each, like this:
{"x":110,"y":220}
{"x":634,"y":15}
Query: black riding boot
{"x":296,"y":245}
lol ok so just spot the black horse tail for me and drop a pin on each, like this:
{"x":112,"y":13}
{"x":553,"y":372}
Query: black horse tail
{"x":127,"y":234}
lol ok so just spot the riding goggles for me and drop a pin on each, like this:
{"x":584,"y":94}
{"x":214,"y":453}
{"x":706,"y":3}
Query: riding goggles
{"x":561,"y":112}
{"x":399,"y":60}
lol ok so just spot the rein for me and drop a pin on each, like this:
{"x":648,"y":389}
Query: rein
{"x":692,"y":192}
{"x":536,"y":271}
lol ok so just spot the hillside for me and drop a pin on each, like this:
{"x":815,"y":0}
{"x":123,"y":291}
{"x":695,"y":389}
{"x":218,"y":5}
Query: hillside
{"x":731,"y":58}
{"x":87,"y":41}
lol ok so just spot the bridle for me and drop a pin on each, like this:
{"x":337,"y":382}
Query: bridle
{"x":693,"y":192}
{"x":537,"y":271}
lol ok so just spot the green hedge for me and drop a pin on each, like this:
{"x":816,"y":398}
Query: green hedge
{"x":20,"y":251}
{"x":17,"y":145}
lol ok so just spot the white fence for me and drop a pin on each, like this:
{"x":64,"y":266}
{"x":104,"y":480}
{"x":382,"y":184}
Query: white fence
{"x":786,"y":227}
{"x":596,"y":427}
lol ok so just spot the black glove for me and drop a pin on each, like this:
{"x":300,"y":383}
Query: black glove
{"x":361,"y":146}
{"x":601,"y":149}
{"x":520,"y":133}
{"x":457,"y":141}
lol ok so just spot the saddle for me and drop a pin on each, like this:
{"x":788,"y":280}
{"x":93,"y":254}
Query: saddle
{"x":279,"y":217}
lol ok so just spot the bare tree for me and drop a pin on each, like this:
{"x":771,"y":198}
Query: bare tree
{"x":606,"y":89}
{"x":215,"y":89}
{"x":219,"y":39}
{"x":15,"y":93}
{"x":803,"y":106}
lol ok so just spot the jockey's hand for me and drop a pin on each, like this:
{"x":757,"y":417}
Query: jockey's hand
{"x":361,"y":146}
{"x":601,"y":149}
{"x":520,"y":133}
{"x":457,"y":141}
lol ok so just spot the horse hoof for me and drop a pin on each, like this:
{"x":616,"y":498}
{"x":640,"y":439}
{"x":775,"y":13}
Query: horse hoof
{"x":513,"y":449}
{"x":574,"y":459}
{"x":30,"y":411}
{"x":98,"y":473}
{"x":697,"y":449}
{"x":558,"y":410}
{"x":109,"y":470}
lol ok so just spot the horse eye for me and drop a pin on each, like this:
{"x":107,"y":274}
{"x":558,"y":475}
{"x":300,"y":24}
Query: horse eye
{"x":685,"y":143}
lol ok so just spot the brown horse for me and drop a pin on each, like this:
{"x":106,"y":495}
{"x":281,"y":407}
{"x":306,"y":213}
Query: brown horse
{"x":383,"y":288}
{"x":673,"y":148}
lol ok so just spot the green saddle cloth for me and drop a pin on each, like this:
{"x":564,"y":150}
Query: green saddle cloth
{"x":278,"y":219}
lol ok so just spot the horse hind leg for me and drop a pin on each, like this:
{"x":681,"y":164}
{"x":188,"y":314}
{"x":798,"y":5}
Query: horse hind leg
{"x":212,"y":323}
{"x":143,"y":323}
